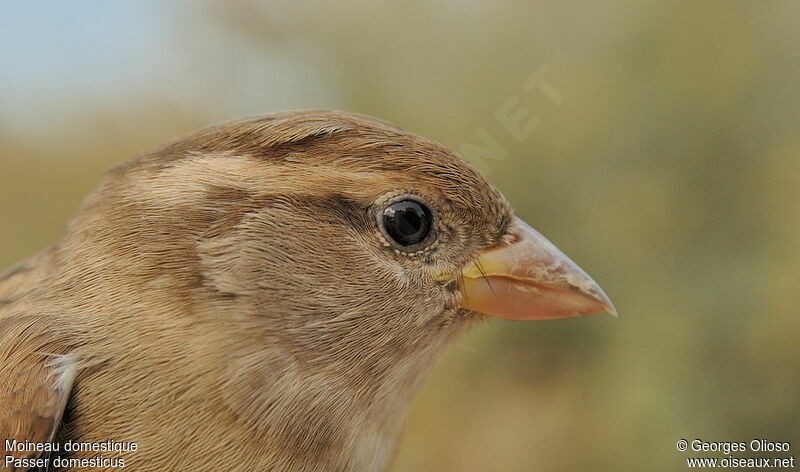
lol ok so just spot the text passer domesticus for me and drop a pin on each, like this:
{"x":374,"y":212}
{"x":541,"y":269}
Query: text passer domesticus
{"x":266,"y":294}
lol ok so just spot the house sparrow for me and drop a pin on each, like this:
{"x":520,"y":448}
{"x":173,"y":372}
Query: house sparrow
{"x":266,"y":294}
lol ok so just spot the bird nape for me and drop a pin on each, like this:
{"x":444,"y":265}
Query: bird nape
{"x":265,"y":294}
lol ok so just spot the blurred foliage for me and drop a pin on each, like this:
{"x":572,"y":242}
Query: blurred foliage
{"x":670,"y":171}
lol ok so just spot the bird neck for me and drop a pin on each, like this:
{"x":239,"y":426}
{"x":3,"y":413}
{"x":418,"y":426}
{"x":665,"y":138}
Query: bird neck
{"x":349,"y":411}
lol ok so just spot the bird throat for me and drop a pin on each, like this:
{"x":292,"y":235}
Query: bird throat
{"x":350,"y":413}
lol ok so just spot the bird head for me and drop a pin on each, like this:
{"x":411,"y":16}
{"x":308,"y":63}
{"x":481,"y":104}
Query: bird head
{"x":339,"y":231}
{"x":330,"y":252}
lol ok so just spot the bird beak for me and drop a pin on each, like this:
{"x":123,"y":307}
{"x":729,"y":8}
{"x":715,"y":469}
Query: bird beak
{"x":530,"y":279}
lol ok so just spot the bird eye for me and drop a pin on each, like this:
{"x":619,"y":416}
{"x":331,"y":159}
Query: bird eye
{"x":408,"y":223}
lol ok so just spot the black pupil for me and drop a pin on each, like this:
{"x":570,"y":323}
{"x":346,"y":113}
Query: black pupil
{"x":407,"y":222}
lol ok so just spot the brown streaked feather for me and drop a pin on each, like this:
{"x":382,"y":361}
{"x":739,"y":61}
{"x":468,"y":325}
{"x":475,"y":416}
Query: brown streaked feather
{"x":37,"y":384}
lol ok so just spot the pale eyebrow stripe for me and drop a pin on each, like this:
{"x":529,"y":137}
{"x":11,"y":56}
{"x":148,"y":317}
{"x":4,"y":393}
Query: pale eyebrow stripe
{"x":185,"y":181}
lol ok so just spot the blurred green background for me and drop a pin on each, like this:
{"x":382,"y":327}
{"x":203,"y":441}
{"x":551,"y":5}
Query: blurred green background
{"x":669,"y":169}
